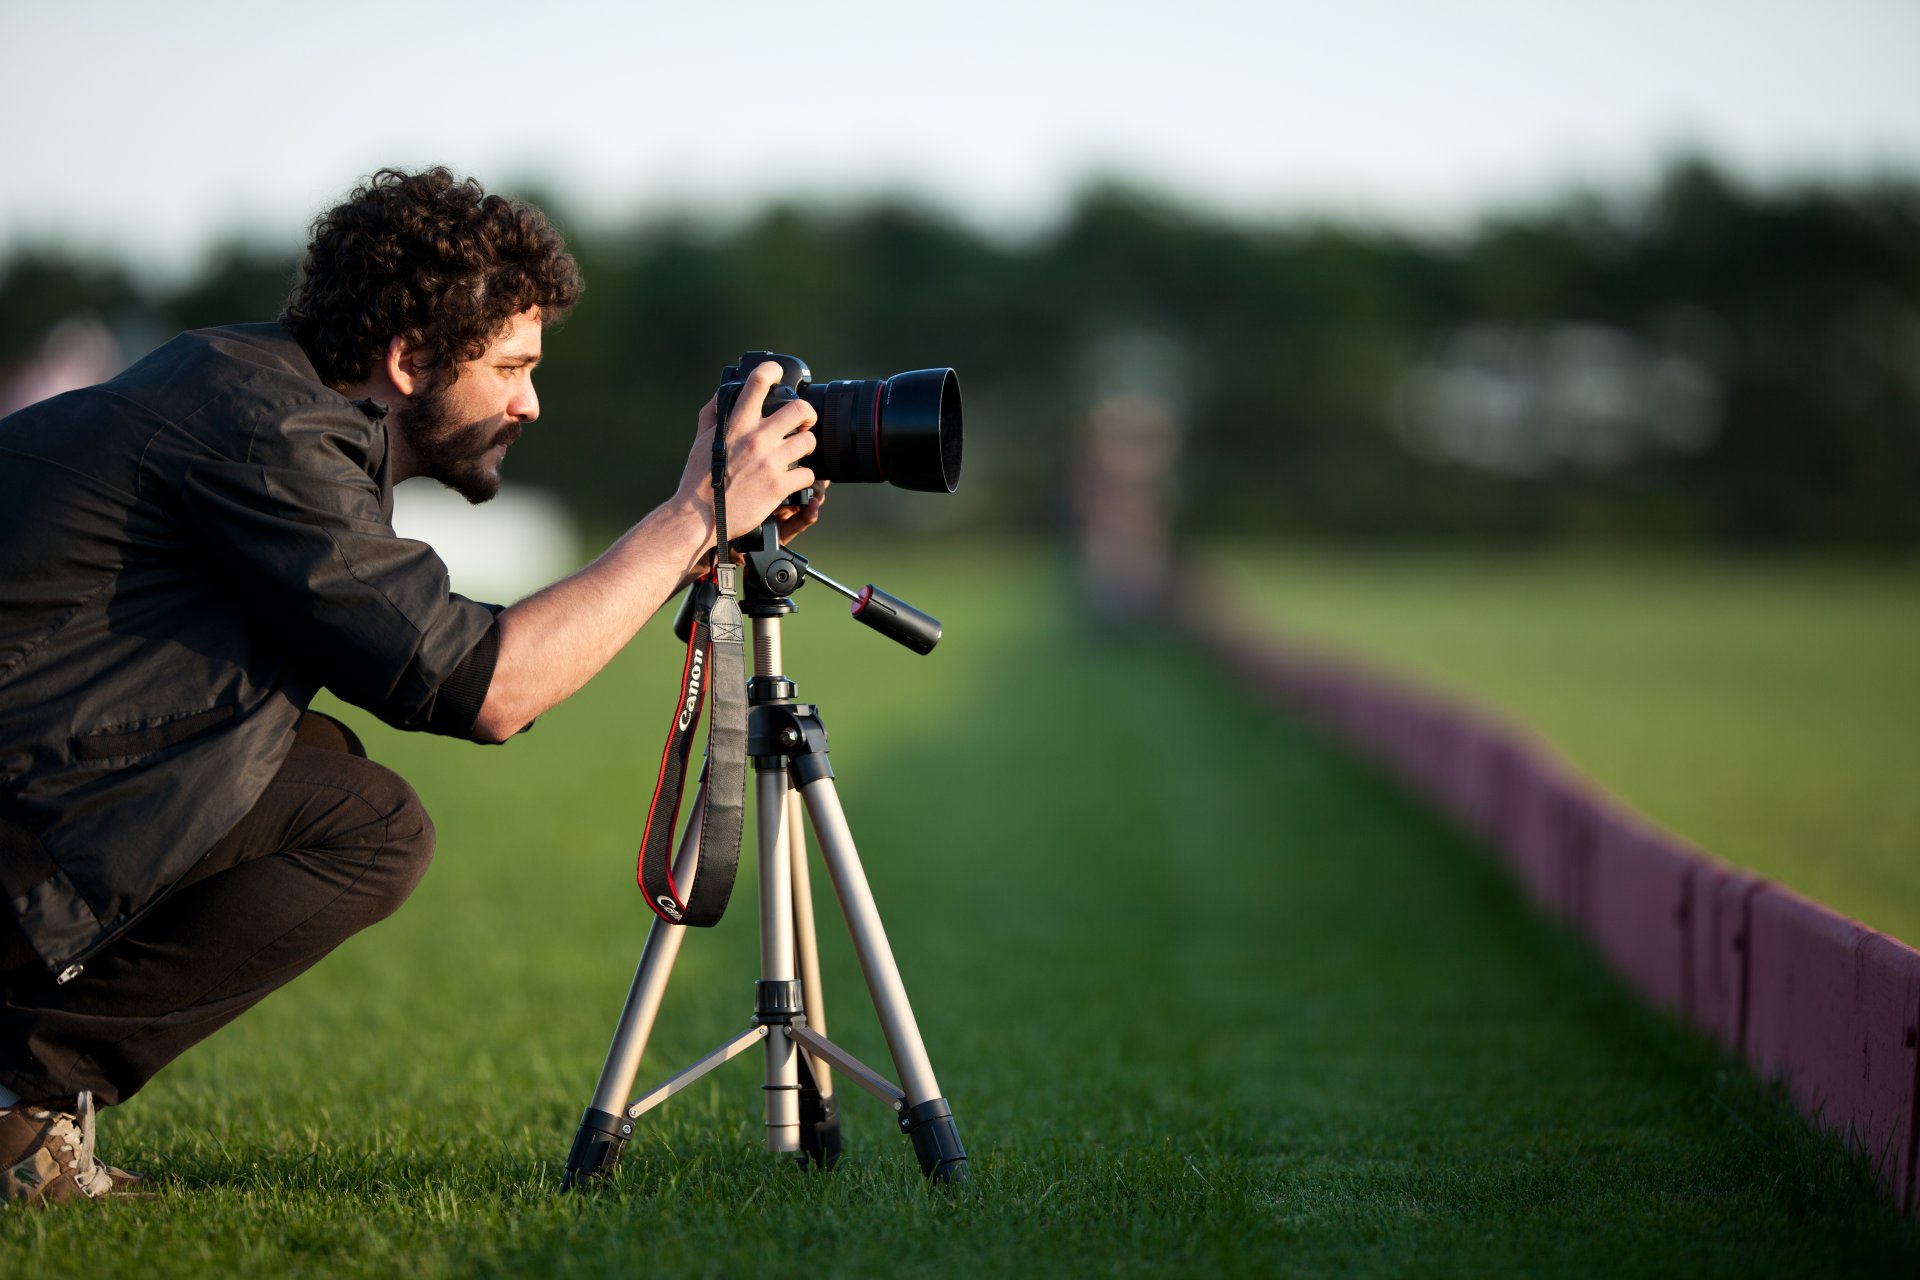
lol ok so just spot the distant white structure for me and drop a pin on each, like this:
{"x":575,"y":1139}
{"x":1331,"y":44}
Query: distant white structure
{"x":77,"y":352}
{"x":499,"y":551}
{"x":1528,"y":402}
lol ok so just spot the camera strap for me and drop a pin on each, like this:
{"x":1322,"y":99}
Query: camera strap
{"x":716,"y":674}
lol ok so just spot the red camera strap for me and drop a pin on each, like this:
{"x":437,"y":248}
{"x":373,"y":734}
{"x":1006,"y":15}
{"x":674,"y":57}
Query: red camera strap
{"x":715,"y":666}
{"x":715,"y":673}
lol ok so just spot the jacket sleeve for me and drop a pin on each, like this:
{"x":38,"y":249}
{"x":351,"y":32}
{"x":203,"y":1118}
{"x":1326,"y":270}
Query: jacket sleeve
{"x":297,"y":524}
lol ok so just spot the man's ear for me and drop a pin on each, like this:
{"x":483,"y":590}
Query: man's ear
{"x":403,"y":367}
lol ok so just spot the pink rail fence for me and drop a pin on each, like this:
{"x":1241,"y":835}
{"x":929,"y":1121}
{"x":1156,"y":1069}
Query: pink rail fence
{"x":1805,"y":994}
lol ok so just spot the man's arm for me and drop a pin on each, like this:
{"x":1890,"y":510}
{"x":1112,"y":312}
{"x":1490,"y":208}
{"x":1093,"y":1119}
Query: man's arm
{"x":557,"y":639}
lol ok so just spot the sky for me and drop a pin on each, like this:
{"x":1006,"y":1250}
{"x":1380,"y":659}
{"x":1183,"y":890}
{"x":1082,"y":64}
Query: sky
{"x":155,"y":131}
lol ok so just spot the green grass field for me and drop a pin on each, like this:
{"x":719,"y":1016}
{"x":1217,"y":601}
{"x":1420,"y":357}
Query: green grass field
{"x":1209,"y":997}
{"x":1768,"y":712}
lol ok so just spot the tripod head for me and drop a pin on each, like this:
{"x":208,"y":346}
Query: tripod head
{"x":773,"y":573}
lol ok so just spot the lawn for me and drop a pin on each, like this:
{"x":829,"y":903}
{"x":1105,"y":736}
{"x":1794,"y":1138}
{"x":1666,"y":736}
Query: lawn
{"x":1209,"y":997}
{"x":1770,"y":712}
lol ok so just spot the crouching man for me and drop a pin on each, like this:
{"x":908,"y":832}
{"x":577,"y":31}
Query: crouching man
{"x":189,"y":552}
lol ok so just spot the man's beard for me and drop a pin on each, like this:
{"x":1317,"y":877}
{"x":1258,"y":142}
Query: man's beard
{"x":453,"y":452}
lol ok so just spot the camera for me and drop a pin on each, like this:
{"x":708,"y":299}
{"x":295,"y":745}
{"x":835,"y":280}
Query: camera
{"x":902,"y":430}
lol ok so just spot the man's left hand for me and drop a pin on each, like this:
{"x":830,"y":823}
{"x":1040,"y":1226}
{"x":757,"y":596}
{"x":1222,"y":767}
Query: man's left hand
{"x":794,"y":521}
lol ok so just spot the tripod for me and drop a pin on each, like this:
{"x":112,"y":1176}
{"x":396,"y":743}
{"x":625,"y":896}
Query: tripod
{"x":787,"y":745}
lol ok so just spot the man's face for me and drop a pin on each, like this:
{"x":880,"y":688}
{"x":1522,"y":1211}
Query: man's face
{"x":459,"y":427}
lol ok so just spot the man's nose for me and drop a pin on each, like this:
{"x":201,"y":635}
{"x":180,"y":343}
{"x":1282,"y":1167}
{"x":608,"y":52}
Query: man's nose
{"x":525,"y":405}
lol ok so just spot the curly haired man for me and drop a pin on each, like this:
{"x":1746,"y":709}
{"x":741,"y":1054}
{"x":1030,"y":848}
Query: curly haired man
{"x":190,"y":551}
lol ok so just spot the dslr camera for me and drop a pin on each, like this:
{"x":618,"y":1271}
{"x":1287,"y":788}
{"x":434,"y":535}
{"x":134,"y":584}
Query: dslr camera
{"x":903,"y":430}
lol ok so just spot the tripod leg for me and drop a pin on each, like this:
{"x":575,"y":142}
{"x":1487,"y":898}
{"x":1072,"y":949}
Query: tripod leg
{"x":779,"y":989}
{"x":819,"y":1114}
{"x":926,"y":1116}
{"x":605,"y":1127}
{"x":806,"y":942}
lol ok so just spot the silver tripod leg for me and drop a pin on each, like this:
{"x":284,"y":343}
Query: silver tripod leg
{"x":925,"y":1115}
{"x":605,"y":1127}
{"x":819,"y":1111}
{"x":870,"y":942}
{"x":806,"y":941}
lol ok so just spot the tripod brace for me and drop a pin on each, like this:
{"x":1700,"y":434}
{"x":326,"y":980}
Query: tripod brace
{"x":787,"y":747}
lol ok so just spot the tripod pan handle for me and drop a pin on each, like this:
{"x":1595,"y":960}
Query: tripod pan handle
{"x":897,"y":620}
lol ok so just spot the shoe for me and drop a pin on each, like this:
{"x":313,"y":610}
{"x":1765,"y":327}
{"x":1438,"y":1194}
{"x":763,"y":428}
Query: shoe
{"x":46,"y":1157}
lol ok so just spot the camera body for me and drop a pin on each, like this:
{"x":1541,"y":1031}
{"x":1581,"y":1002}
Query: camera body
{"x":902,"y":430}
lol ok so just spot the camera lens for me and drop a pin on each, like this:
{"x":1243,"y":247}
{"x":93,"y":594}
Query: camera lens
{"x":903,"y":430}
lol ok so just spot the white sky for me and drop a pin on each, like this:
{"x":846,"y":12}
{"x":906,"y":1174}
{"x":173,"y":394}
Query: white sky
{"x":154,"y":130}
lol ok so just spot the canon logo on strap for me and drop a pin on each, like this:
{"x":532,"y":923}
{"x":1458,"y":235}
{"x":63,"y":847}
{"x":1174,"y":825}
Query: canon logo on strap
{"x":691,"y":705}
{"x":667,"y":905}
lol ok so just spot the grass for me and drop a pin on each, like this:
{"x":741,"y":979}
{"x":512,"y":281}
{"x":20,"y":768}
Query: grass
{"x":1769,"y":712}
{"x":1208,"y":997}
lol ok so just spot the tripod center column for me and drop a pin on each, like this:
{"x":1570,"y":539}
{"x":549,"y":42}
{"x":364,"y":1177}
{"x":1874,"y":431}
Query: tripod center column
{"x":766,"y":647}
{"x":777,"y":964}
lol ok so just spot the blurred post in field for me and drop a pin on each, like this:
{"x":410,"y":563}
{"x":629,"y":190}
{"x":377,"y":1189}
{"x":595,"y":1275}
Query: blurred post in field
{"x":1123,"y":474}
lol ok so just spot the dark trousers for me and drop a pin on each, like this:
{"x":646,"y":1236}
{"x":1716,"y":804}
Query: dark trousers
{"x":335,"y":843}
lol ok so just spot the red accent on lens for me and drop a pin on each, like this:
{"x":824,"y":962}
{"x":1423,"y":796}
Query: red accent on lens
{"x":866,"y":598}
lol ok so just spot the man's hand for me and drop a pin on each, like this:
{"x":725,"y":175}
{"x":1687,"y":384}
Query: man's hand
{"x":763,"y":459}
{"x":795,"y":521}
{"x":553,"y":642}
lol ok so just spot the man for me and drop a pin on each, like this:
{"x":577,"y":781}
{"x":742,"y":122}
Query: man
{"x":190,"y":551}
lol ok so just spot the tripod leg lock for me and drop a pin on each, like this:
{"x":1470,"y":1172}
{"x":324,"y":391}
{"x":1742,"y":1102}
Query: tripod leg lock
{"x":936,"y":1141}
{"x":776,"y":1002}
{"x":809,"y":769}
{"x":596,"y":1147}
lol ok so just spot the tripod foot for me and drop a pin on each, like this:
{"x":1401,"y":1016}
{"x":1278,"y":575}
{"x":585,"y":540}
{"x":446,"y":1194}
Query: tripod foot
{"x":935,"y":1141}
{"x":819,"y":1124}
{"x":596,"y":1148}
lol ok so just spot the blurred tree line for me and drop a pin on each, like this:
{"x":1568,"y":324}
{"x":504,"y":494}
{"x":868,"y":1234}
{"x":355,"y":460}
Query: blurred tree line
{"x":1699,"y":363}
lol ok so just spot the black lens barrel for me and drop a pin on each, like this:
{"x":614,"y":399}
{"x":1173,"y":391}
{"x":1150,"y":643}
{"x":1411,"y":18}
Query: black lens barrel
{"x":903,"y":430}
{"x":846,"y":444}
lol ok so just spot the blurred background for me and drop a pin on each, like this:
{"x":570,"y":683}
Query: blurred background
{"x":1483,"y":273}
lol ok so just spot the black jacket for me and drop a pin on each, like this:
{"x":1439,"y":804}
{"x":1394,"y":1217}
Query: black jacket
{"x":187,"y":554}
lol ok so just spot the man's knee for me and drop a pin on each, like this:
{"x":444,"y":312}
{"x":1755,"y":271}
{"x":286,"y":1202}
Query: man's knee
{"x":409,"y":845}
{"x":406,"y":845}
